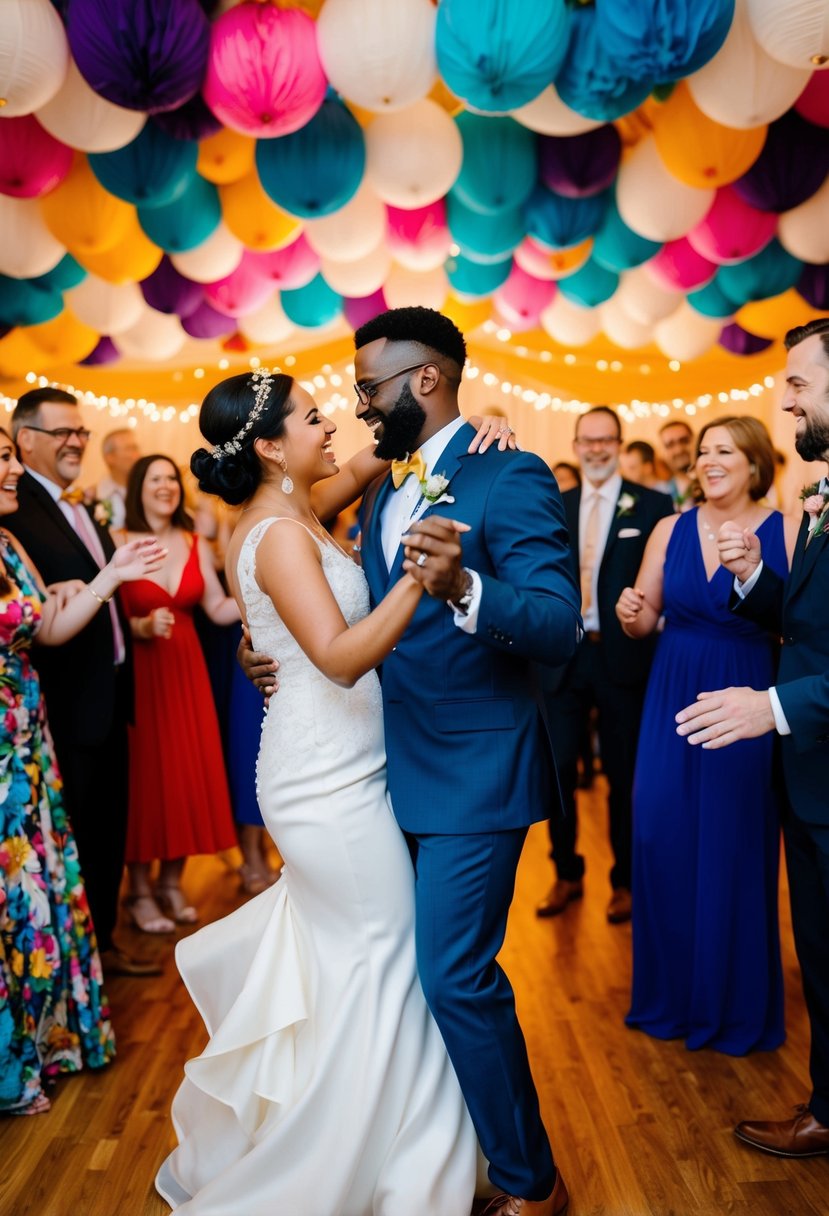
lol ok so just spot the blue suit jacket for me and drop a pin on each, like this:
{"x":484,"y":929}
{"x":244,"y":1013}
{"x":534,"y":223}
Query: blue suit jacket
{"x":465,"y":738}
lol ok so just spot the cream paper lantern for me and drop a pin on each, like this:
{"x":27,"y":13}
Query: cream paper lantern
{"x":414,"y":155}
{"x":156,"y":336}
{"x":569,"y":323}
{"x":743,"y":86}
{"x":795,"y":32}
{"x":686,"y":334}
{"x":643,"y":299}
{"x":379,"y":55}
{"x":108,"y":307}
{"x":34,"y":55}
{"x":621,"y":328}
{"x":406,"y":288}
{"x":654,"y":203}
{"x":27,"y":247}
{"x":361,"y":277}
{"x":548,"y":115}
{"x":353,"y":231}
{"x":214,"y":259}
{"x":804,"y":230}
{"x":81,"y":118}
{"x":267,"y":324}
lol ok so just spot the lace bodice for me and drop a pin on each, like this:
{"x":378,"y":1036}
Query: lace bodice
{"x":309,"y":711}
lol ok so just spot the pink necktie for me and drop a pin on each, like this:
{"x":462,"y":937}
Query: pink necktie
{"x":86,"y":531}
{"x":588,"y":553}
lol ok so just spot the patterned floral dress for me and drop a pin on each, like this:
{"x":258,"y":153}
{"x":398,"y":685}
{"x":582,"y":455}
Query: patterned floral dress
{"x":54,"y":1016}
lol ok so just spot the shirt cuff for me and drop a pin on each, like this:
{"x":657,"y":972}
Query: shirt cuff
{"x":743,"y":589}
{"x":468,"y":621}
{"x":781,"y":725}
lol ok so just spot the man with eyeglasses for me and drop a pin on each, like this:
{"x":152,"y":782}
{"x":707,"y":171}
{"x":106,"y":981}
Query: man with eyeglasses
{"x":87,"y":682}
{"x":609,"y":520}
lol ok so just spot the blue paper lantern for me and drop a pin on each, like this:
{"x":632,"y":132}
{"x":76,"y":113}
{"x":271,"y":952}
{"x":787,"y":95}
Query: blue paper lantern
{"x":499,"y":163}
{"x":153,"y":170}
{"x":589,"y":81}
{"x":318,"y":168}
{"x":559,"y":222}
{"x":27,"y":302}
{"x":483,"y":237}
{"x":68,"y":273}
{"x":711,"y":301}
{"x":617,"y":247}
{"x":769,"y":273}
{"x":313,"y":305}
{"x":662,"y":40}
{"x":476,"y":279}
{"x":187,"y":221}
{"x":590,"y":286}
{"x":496,"y":54}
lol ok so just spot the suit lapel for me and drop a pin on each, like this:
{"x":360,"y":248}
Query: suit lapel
{"x":42,"y":496}
{"x":805,"y":556}
{"x":618,"y":521}
{"x":374,"y":562}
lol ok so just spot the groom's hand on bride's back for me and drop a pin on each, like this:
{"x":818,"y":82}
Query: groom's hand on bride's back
{"x":260,"y":669}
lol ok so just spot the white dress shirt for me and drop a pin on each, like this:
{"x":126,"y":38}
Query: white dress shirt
{"x":55,"y":491}
{"x":608,"y":493}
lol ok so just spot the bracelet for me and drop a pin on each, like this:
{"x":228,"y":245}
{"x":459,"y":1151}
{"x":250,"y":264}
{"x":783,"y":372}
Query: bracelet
{"x":99,"y":598}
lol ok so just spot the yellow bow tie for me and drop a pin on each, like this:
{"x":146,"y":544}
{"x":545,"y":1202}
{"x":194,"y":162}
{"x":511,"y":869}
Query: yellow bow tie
{"x":400,"y":469}
{"x":72,"y":496}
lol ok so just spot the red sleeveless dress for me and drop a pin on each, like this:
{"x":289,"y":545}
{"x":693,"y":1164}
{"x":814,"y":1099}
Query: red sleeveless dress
{"x":178,"y":803}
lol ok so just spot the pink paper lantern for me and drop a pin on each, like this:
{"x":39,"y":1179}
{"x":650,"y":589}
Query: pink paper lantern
{"x":732,"y":230}
{"x":522,"y":299}
{"x":241,"y":292}
{"x":359,"y":310}
{"x":264,"y":75}
{"x":813,"y":102}
{"x":294,"y":266}
{"x":32,"y":162}
{"x":419,"y":238}
{"x":678,"y":266}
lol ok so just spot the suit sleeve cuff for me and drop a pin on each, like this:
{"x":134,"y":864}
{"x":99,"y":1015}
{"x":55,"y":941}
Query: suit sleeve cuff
{"x":468,"y":621}
{"x":743,"y":589}
{"x":781,"y":724}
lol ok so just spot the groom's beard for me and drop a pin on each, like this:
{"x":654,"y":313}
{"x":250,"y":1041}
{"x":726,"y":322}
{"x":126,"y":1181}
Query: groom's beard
{"x":813,"y":443}
{"x":401,"y":427}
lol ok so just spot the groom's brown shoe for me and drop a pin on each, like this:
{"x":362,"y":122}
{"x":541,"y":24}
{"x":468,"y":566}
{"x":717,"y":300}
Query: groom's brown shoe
{"x":508,"y":1205}
{"x":801,"y":1136}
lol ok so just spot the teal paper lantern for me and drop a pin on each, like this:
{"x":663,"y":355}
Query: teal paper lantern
{"x":27,"y":302}
{"x":771,"y":271}
{"x":153,"y":170}
{"x":187,"y":221}
{"x":711,"y":301}
{"x":617,"y":247}
{"x":68,"y":273}
{"x":476,"y":279}
{"x":559,"y":222}
{"x":590,"y":81}
{"x":483,"y":237}
{"x":318,"y":168}
{"x":313,"y":305}
{"x":590,"y":286}
{"x":499,"y":166}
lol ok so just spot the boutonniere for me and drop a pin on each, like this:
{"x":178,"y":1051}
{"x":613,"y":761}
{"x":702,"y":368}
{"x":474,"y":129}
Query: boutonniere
{"x":626,"y":504}
{"x":815,"y":504}
{"x":102,"y":512}
{"x":434,"y":488}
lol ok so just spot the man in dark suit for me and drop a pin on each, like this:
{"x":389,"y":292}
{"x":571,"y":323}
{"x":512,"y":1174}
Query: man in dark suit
{"x":87,"y":683}
{"x":609,"y":520}
{"x":798,"y":709}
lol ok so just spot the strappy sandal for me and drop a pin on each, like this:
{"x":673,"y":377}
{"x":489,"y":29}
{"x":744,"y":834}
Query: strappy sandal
{"x":174,"y":903}
{"x":146,"y":915}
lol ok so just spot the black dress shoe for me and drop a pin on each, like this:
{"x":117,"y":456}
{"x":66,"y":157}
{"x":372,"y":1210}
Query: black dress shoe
{"x":560,"y":894}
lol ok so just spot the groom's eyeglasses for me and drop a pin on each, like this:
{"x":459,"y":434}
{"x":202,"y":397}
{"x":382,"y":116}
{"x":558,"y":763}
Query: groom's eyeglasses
{"x":368,"y":388}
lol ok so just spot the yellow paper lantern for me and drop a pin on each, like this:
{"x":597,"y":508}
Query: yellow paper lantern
{"x":131,"y":260}
{"x":226,"y":156}
{"x":18,"y":357}
{"x":84,"y":216}
{"x":698,"y":151}
{"x":772,"y":317}
{"x":467,"y":314}
{"x":65,"y":339}
{"x":253,"y":218}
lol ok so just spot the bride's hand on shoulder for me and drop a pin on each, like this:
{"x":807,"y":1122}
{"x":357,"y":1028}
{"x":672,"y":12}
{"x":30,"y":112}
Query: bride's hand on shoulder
{"x":490,"y":429}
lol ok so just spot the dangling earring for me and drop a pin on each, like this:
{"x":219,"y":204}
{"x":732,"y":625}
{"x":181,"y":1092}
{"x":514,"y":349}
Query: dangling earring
{"x":287,"y":484}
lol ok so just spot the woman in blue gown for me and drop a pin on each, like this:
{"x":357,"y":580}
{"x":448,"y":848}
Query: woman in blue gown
{"x":706,"y":947}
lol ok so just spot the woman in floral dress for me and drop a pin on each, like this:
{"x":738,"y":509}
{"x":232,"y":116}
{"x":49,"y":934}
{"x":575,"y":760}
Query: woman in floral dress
{"x":54,"y":1015}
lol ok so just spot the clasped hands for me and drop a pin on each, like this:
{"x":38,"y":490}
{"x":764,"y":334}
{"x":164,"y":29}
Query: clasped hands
{"x":432,"y":556}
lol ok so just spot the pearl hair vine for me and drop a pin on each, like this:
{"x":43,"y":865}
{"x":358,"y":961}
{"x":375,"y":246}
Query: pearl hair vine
{"x":261,"y":382}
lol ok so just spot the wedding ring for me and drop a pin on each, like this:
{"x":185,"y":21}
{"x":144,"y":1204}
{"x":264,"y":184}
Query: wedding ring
{"x":421,"y":561}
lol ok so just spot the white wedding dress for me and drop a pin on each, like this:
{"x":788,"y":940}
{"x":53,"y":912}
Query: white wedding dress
{"x":325,"y":1088}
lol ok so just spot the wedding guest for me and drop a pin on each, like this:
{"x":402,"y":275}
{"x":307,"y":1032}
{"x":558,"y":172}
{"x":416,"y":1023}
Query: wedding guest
{"x":120,"y":451}
{"x":677,"y":441}
{"x":638,"y":464}
{"x":567,"y":475}
{"x":178,"y":797}
{"x":54,"y":1014}
{"x":706,"y":947}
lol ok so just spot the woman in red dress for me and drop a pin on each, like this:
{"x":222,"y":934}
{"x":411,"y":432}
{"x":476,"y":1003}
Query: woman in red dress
{"x":179,"y":803}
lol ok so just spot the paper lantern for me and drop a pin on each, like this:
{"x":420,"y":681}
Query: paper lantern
{"x":129,"y":261}
{"x":25,"y":303}
{"x":166,"y":290}
{"x":711,"y":301}
{"x":590,"y":286}
{"x":17,"y":354}
{"x":617,"y":247}
{"x":82,"y":119}
{"x":654,"y":203}
{"x":558,"y":222}
{"x":103,"y":353}
{"x":268,"y":324}
{"x":145,"y":55}
{"x":413,"y":156}
{"x":359,"y":310}
{"x":253,"y":218}
{"x":551,"y":263}
{"x":404,"y":288}
{"x":522,"y":299}
{"x":64,"y":339}
{"x":313,"y":305}
{"x":31,"y":161}
{"x":34,"y":55}
{"x":791,"y":167}
{"x":742,"y":86}
{"x":499,"y":163}
{"x":361,"y":277}
{"x":732,"y":230}
{"x":813,"y":103}
{"x":773,"y":317}
{"x":292,"y":266}
{"x":241,"y":292}
{"x":264,"y":75}
{"x":154,"y":338}
{"x":27,"y":248}
{"x":106,"y":307}
{"x":419,"y":238}
{"x":678,"y":267}
{"x":468,"y":315}
{"x":548,"y":115}
{"x":497,"y":56}
{"x":569,"y":323}
{"x":649,"y":39}
{"x":317,"y":169}
{"x":739,"y":341}
{"x":193,"y":120}
{"x":620,"y":327}
{"x":154,"y":169}
{"x":82,"y":215}
{"x":353,"y":231}
{"x":769,"y":272}
{"x":796,"y":33}
{"x":379,"y":55}
{"x":804,"y":231}
{"x":590,"y":81}
{"x":226,"y":157}
{"x":206,"y":322}
{"x":68,"y":273}
{"x":480,"y":236}
{"x":686,"y":335}
{"x":214,"y":259}
{"x":697,"y":150}
{"x":475,"y":279}
{"x":643,"y":299}
{"x":580,"y":165}
{"x":813,"y":285}
{"x":188,"y":221}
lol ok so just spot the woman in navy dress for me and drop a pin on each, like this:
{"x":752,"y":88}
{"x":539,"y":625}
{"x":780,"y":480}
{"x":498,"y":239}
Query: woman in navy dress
{"x":706,"y":947}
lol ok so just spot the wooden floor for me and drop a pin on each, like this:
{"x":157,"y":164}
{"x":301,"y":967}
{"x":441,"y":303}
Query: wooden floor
{"x":639,"y":1127}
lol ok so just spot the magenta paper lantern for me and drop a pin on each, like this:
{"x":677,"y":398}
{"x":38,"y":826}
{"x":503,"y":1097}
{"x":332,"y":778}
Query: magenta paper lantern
{"x":813,"y":102}
{"x":294,"y":266}
{"x":264,"y":75}
{"x":732,"y":230}
{"x":522,"y":299}
{"x":678,"y":266}
{"x":32,"y":162}
{"x":359,"y":310}
{"x":241,"y":292}
{"x":206,"y":322}
{"x":419,"y":238}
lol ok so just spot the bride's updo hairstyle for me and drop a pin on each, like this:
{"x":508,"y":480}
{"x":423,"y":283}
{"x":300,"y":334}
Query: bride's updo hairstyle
{"x":233,"y":414}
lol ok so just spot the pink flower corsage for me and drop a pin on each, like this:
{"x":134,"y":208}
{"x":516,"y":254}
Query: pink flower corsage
{"x":814,"y":505}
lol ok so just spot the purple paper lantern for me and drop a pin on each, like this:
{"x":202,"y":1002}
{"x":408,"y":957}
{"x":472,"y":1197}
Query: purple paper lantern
{"x":580,"y":165}
{"x":791,"y":167}
{"x":193,"y":120}
{"x":105,"y":352}
{"x":166,"y":290}
{"x":358,"y":311}
{"x":740,"y":342}
{"x":813,"y":285}
{"x":207,"y":322}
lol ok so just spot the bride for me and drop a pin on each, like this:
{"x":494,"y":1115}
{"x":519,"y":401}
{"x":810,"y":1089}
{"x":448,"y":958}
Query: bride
{"x":325,"y":1088}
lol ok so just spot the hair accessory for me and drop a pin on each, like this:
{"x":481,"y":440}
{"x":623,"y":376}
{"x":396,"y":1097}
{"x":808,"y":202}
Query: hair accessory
{"x":260,"y":381}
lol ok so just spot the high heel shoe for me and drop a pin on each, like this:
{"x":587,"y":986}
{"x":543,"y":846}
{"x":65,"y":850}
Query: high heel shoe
{"x":174,"y":903}
{"x":146,"y":915}
{"x":252,"y":882}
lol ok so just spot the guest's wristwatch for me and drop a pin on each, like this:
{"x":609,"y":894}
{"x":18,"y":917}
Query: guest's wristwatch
{"x":464,"y":602}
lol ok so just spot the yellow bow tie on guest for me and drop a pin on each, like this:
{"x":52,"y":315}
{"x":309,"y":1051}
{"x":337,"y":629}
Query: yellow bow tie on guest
{"x":400,"y":469}
{"x":74,"y":497}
